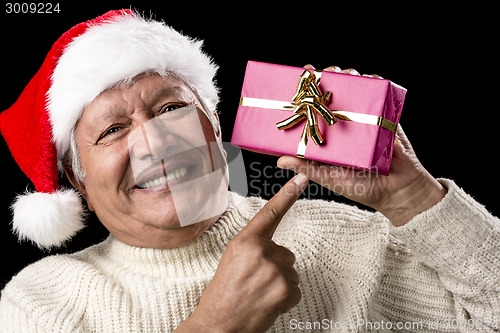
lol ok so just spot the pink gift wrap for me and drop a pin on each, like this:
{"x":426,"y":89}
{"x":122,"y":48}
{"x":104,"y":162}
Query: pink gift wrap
{"x":347,"y":143}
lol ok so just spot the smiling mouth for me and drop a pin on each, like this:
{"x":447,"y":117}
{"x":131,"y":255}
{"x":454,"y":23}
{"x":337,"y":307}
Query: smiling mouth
{"x":162,"y":181}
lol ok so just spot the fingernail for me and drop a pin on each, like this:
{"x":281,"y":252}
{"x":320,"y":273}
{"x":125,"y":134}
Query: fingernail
{"x":301,"y":180}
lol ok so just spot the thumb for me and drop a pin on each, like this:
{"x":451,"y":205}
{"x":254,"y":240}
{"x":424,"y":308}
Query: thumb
{"x":268,"y":218}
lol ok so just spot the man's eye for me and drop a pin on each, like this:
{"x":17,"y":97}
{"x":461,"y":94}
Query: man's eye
{"x":109,"y":131}
{"x":112,"y":130}
{"x":171,"y":107}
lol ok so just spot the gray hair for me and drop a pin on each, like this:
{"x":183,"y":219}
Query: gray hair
{"x":72,"y":160}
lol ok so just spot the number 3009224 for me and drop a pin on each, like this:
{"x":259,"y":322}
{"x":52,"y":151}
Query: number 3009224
{"x":32,"y":8}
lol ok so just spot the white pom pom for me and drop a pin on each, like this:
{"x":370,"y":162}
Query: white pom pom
{"x":47,"y":219}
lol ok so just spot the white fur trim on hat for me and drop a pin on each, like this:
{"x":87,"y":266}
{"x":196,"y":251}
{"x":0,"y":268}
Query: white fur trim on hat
{"x":47,"y":219}
{"x":117,"y":51}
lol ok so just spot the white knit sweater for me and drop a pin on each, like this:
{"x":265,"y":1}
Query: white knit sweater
{"x":358,"y":273}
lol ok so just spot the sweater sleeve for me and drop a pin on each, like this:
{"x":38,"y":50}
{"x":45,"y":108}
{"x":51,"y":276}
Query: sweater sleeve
{"x":40,"y":298}
{"x":460,"y":240}
{"x":13,"y":319}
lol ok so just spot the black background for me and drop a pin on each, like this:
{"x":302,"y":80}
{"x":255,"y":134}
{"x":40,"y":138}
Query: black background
{"x":444,"y":57}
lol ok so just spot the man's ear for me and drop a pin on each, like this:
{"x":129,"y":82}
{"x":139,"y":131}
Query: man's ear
{"x":80,"y":187}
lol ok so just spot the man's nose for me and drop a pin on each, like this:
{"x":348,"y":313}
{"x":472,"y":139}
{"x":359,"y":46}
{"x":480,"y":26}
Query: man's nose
{"x":151,"y":140}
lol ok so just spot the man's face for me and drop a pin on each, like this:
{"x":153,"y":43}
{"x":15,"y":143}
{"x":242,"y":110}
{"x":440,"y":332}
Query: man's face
{"x":143,"y":147}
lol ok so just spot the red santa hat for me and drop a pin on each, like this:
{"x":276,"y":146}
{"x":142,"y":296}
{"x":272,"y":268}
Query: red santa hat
{"x":88,"y":59}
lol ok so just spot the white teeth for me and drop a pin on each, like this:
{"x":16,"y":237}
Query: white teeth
{"x":164,"y":179}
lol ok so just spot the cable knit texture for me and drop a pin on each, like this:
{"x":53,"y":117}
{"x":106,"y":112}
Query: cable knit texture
{"x":358,"y":273}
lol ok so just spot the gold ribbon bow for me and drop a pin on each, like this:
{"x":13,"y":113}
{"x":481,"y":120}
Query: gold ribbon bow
{"x":309,"y":101}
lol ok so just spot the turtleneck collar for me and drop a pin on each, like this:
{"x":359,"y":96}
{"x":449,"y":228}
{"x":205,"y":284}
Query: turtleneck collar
{"x":199,"y":257}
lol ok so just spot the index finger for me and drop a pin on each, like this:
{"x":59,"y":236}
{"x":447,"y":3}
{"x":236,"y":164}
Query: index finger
{"x":268,"y":218}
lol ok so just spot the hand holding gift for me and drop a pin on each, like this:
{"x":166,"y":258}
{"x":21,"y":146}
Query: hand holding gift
{"x":351,"y":120}
{"x":407,"y":191}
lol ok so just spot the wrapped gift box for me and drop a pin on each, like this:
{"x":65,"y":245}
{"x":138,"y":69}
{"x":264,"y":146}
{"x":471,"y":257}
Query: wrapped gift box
{"x":361,"y":134}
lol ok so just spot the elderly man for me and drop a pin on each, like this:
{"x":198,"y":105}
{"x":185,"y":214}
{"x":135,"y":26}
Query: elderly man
{"x":127,"y":109}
